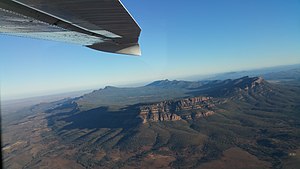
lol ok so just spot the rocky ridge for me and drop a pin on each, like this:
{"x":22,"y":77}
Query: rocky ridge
{"x":188,"y":109}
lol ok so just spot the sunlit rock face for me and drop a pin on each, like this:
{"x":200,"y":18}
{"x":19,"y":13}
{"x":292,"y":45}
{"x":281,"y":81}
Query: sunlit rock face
{"x":172,"y":110}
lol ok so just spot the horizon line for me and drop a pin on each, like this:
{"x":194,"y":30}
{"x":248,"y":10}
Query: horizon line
{"x":134,"y":84}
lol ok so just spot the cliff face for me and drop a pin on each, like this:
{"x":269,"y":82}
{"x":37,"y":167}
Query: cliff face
{"x":188,"y":109}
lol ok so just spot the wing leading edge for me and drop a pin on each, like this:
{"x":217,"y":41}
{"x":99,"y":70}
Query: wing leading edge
{"x":103,"y":25}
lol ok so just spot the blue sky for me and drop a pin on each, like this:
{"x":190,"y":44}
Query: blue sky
{"x":179,"y":39}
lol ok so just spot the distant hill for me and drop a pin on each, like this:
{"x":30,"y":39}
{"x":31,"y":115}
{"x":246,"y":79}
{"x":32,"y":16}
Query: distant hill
{"x":11,"y":106}
{"x":292,"y":74}
{"x":288,"y":72}
{"x":176,"y":84}
{"x":165,"y":90}
{"x":153,"y":92}
{"x":231,"y":87}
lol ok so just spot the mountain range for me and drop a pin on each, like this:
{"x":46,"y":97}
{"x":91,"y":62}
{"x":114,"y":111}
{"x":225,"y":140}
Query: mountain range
{"x":247,"y":122}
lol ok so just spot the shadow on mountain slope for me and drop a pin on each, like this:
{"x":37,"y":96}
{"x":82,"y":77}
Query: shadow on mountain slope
{"x":98,"y":118}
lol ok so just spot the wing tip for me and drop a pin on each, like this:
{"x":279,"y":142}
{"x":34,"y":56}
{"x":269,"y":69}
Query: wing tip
{"x":128,"y":49}
{"x":131,"y":50}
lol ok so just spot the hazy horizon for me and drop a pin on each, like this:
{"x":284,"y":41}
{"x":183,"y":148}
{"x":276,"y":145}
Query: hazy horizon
{"x":194,"y":77}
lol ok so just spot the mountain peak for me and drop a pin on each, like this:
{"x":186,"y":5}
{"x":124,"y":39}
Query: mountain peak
{"x":160,"y":83}
{"x":246,"y":82}
{"x":259,"y":80}
{"x":175,"y":84}
{"x":110,"y":87}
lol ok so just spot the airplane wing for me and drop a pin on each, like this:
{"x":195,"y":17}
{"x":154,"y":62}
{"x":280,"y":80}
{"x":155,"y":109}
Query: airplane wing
{"x":103,"y":25}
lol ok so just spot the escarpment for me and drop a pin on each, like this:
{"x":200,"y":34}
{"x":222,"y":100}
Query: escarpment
{"x":174,"y":110}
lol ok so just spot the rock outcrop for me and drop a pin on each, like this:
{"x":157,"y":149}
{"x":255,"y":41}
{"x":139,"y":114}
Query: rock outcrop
{"x":189,"y":108}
